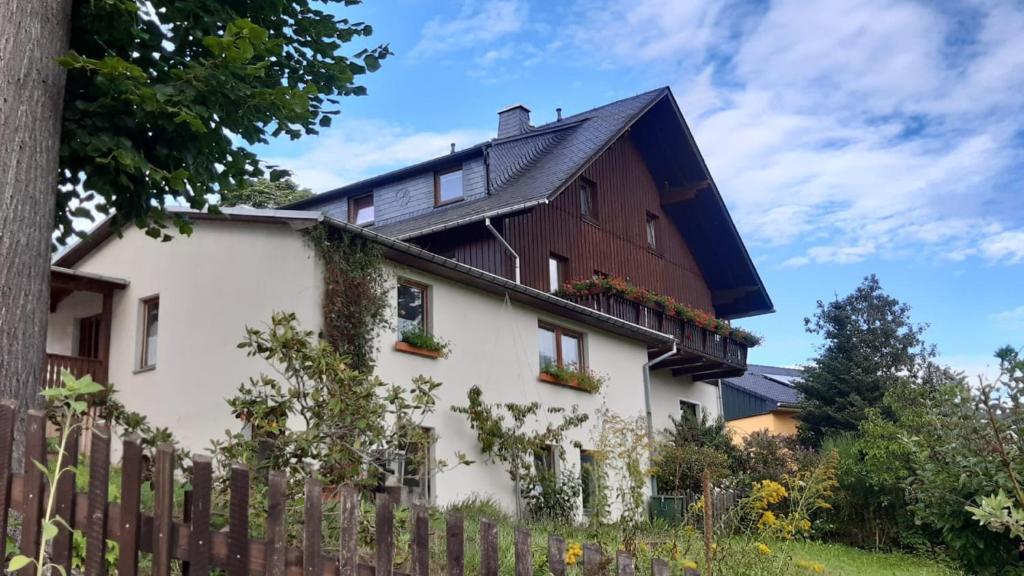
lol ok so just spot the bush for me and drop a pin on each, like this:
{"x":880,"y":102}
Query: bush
{"x":689,"y":447}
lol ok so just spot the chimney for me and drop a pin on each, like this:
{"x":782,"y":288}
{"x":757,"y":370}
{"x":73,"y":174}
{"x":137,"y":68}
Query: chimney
{"x":513,"y":120}
{"x":453,"y":148}
{"x":558,"y":113}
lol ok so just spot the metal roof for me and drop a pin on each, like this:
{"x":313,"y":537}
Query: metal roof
{"x":768,"y":382}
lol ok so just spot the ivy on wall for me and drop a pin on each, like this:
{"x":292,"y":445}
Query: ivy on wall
{"x":356,"y":293}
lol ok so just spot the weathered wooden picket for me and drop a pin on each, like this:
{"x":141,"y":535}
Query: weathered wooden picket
{"x":200,"y":549}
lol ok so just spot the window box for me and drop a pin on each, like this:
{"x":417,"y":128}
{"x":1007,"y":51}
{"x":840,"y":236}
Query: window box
{"x":415,"y":350}
{"x":583,"y":380}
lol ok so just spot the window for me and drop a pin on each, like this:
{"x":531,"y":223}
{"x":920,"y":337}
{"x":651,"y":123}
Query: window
{"x":412,"y":307}
{"x":588,"y":197}
{"x":689,"y":409}
{"x":652,"y":231}
{"x":150,"y":326}
{"x":560,"y":347}
{"x":447,"y":186}
{"x":588,"y":480}
{"x":545,"y":460}
{"x":556,"y":272}
{"x":89,"y":337}
{"x":360,"y":210}
{"x":417,"y":467}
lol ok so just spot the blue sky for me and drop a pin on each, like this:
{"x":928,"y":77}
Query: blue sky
{"x":847,"y":137}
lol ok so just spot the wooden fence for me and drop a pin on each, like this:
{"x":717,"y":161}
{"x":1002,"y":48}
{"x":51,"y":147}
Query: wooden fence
{"x":676,"y":509}
{"x":200,"y":548}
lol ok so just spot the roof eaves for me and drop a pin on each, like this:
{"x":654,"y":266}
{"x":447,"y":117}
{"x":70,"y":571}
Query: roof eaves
{"x":473,"y":218}
{"x":728,"y":217}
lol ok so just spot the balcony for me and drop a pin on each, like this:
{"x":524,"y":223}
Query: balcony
{"x":702,"y":354}
{"x":78,"y":366}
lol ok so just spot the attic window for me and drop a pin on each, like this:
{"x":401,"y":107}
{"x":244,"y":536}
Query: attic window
{"x":360,"y":211}
{"x":588,"y":209}
{"x":448,"y":186}
{"x":652,"y":231}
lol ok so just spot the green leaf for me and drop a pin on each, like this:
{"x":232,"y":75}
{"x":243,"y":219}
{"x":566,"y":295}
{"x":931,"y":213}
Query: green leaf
{"x":41,"y":466}
{"x":49,"y":530}
{"x":19,"y":562}
{"x":372,"y":63}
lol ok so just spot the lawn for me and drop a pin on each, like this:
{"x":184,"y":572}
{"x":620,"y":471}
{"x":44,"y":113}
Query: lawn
{"x":846,"y":561}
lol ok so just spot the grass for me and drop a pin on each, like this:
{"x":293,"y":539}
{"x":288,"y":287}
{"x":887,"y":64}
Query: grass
{"x":846,"y":561}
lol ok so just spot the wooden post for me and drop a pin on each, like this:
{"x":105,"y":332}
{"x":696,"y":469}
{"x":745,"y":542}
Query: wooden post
{"x":106,"y":320}
{"x":200,"y":541}
{"x":709,"y":525}
{"x":420,"y":542}
{"x":556,"y":555}
{"x":32,"y":513}
{"x":385,"y":535}
{"x":163,"y":509}
{"x":8,"y":417}
{"x":348,"y":549}
{"x":277,"y":497}
{"x":488,"y":548}
{"x":99,"y":479}
{"x":238,"y":522}
{"x":624,"y":564}
{"x":455,"y":544}
{"x":524,"y":553}
{"x":659,"y":567}
{"x":313,"y":514}
{"x":131,"y":485}
{"x":592,"y":559}
{"x":65,"y":502}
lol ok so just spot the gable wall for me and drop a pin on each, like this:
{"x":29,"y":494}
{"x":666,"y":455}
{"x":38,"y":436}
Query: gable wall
{"x":412,"y":196}
{"x":617,"y":243}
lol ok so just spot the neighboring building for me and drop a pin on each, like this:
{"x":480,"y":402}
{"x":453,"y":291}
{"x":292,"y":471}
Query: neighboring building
{"x":483,"y":236}
{"x":763,"y":399}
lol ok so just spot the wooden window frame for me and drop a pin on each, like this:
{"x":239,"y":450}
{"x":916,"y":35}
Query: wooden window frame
{"x":146,"y":303}
{"x":651,"y":229}
{"x":592,"y":217}
{"x":352,"y":211}
{"x":437,"y":186}
{"x":426,"y":300}
{"x":88,"y":328}
{"x":562,"y":265}
{"x":559,"y":331}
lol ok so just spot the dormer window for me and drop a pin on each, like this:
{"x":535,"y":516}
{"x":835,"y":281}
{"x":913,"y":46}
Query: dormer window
{"x":360,"y":211}
{"x":448,"y":186}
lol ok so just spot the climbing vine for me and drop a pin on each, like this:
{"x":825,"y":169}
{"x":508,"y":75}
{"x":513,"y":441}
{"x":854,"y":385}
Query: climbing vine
{"x":355,"y":304}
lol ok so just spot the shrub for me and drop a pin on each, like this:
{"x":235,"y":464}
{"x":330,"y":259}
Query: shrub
{"x":689,"y":447}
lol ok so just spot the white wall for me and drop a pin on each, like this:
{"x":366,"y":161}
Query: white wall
{"x":211,"y":285}
{"x":494,"y":345}
{"x":62,"y":329}
{"x":228,"y":275}
{"x":668,"y":390}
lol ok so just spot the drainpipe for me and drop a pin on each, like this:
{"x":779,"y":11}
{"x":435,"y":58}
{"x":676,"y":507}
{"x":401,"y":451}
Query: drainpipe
{"x":515,"y":257}
{"x":647,"y":402}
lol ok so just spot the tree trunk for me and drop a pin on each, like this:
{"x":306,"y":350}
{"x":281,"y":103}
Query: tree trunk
{"x":33,"y":33}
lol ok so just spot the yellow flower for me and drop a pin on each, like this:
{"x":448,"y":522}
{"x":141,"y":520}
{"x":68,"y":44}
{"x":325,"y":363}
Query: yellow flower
{"x":573,"y":553}
{"x":767,"y":520}
{"x":762,"y":549}
{"x":690,"y":564}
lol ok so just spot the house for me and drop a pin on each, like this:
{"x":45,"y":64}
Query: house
{"x":597,"y":240}
{"x":762,"y":399}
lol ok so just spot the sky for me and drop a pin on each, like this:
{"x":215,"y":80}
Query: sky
{"x":847,"y":137}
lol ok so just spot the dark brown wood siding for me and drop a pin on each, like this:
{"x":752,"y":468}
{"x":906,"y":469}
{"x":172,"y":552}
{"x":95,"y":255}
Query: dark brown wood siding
{"x":616,"y":243}
{"x":472,"y":245}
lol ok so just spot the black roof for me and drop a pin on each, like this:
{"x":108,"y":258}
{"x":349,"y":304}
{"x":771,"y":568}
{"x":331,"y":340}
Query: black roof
{"x":772,"y":383}
{"x":533,"y":168}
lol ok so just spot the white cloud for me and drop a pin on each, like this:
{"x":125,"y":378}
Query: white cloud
{"x":972,"y":365}
{"x":847,"y":129}
{"x":1012,"y":319}
{"x":478,"y":23}
{"x":1004,"y":247}
{"x":355,"y":149}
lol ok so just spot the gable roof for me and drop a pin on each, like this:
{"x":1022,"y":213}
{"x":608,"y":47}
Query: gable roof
{"x":772,"y":383}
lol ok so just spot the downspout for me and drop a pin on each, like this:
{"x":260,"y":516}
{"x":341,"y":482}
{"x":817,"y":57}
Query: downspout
{"x":647,"y":403}
{"x":508,"y":248}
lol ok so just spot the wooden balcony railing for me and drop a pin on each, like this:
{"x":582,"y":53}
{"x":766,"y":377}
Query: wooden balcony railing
{"x":691,"y":338}
{"x":77,"y":365}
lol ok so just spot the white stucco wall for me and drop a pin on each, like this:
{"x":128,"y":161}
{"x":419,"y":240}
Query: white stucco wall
{"x":62,"y":329}
{"x":494,"y":345}
{"x":211,"y":285}
{"x":667,"y":391}
{"x":228,"y":275}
